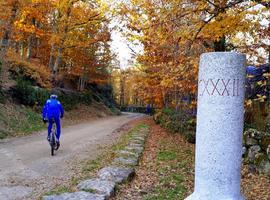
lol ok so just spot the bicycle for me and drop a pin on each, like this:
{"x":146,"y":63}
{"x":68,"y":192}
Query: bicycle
{"x":53,"y":144}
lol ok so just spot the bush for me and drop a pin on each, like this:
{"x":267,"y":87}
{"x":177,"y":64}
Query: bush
{"x":87,"y":97}
{"x":30,"y":96}
{"x":115,"y":110}
{"x":23,"y":91}
{"x":2,"y":96}
{"x":103,"y":93}
{"x":3,"y":135}
{"x":177,"y":122}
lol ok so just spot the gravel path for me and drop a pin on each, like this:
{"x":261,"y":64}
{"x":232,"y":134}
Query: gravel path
{"x":27,"y":169}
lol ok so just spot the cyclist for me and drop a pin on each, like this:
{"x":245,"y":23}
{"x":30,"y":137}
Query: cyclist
{"x":52,"y":112}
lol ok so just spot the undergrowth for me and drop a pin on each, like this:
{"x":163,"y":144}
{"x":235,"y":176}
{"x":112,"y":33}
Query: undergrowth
{"x":18,"y":121}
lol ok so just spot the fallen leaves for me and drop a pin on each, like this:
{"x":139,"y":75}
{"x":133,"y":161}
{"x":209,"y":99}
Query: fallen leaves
{"x":159,"y":171}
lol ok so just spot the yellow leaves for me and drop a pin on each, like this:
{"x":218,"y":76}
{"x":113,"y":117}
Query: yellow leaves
{"x":54,"y":39}
{"x":225,"y":24}
{"x":34,"y":70}
{"x":267,"y":75}
{"x":261,"y":98}
{"x":175,"y":33}
{"x":248,"y":102}
{"x":262,"y":83}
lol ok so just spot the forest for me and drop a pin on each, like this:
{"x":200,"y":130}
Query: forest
{"x":126,"y":74}
{"x":175,"y":33}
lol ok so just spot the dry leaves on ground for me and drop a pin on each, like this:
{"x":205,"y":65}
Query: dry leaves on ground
{"x":166,"y":171}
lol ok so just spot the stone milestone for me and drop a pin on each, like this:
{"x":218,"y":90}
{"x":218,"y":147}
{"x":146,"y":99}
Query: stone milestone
{"x":219,"y":126}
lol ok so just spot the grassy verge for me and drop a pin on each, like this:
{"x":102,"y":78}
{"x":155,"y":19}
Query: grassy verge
{"x":172,"y":161}
{"x":16,"y":120}
{"x":167,"y":171}
{"x":89,"y":168}
{"x":29,"y":123}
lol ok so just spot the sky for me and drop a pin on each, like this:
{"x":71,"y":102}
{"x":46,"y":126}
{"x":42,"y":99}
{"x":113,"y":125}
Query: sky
{"x":119,"y":46}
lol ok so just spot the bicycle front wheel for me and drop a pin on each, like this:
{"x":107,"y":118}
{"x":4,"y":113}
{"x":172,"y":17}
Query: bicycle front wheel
{"x":52,"y":144}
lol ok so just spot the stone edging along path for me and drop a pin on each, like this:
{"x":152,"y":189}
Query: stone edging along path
{"x":121,"y":170}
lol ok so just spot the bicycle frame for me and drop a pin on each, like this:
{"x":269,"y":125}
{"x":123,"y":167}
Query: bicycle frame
{"x":52,"y":139}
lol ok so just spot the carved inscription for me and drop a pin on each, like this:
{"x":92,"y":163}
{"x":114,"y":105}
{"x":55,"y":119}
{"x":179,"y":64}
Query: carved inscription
{"x":220,"y":87}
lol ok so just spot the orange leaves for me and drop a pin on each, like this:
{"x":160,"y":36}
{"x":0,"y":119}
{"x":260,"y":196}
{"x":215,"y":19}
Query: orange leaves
{"x":70,"y":37}
{"x":174,"y":34}
{"x":33,"y":70}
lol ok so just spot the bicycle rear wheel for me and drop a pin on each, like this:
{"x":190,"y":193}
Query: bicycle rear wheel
{"x":52,"y":144}
{"x":52,"y":141}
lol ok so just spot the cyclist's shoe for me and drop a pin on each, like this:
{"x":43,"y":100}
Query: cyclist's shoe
{"x":48,"y":138}
{"x":57,"y":145}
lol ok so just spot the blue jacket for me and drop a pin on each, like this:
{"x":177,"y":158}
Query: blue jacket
{"x":52,"y":109}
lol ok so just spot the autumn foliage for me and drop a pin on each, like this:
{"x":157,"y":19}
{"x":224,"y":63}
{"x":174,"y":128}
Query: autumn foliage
{"x":68,"y":38}
{"x":174,"y":33}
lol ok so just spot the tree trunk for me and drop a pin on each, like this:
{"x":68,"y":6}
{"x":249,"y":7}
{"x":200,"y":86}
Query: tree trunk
{"x":57,"y":61}
{"x":122,"y":89}
{"x":21,"y":49}
{"x":5,"y":42}
{"x":30,"y":42}
{"x":51,"y":62}
{"x":61,"y":46}
{"x":220,"y":45}
{"x":6,"y":39}
{"x":29,"y":47}
{"x":81,"y":84}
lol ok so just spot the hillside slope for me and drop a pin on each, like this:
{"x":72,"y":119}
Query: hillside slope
{"x":18,"y":120}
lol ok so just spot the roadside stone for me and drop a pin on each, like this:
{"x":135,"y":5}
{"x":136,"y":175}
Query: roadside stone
{"x":131,"y":144}
{"x":268,"y":152}
{"x":75,"y":196}
{"x":138,"y":150}
{"x":257,"y":156}
{"x":126,"y":161}
{"x":265,"y":141}
{"x":136,"y":141}
{"x":98,"y":186}
{"x":252,"y":133}
{"x":244,"y":151}
{"x":138,"y":138}
{"x":128,"y":154}
{"x":252,"y":152}
{"x":251,"y":141}
{"x":15,"y":192}
{"x":116,"y":174}
{"x":262,"y":163}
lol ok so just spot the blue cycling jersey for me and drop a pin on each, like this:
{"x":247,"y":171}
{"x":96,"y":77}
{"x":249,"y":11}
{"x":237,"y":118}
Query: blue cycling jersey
{"x":52,"y":109}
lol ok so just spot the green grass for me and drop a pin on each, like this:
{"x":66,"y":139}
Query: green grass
{"x":57,"y":190}
{"x":18,"y":121}
{"x":170,"y":188}
{"x":29,"y":123}
{"x":171,"y":163}
{"x":166,"y":155}
{"x":3,"y":135}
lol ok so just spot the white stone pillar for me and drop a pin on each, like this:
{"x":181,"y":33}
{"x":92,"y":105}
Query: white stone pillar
{"x":219,"y":127}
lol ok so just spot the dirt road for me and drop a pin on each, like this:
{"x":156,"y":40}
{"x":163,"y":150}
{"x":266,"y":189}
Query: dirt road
{"x":27,"y":168}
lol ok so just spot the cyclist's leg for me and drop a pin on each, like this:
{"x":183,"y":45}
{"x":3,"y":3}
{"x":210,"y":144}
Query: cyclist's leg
{"x":50,"y":127}
{"x":58,"y":129}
